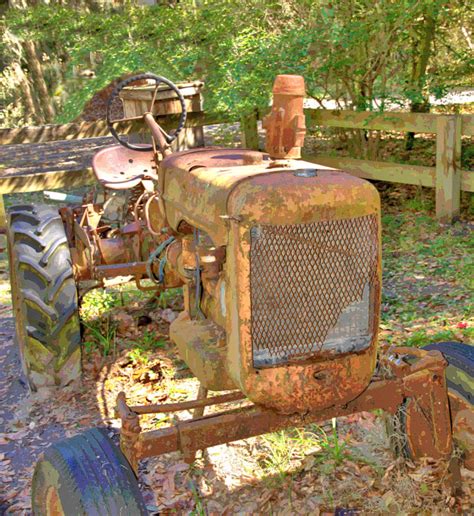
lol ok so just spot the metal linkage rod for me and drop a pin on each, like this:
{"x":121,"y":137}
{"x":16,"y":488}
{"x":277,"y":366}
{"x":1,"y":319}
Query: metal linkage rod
{"x":188,"y":405}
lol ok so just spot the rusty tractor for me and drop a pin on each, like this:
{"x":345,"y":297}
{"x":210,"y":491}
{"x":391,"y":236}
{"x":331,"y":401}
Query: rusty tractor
{"x":280,"y":265}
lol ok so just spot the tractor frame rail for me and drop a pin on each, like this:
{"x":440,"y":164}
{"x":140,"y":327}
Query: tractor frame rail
{"x":421,"y":382}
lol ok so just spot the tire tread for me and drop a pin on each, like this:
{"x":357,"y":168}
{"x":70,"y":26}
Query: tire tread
{"x":43,"y":271}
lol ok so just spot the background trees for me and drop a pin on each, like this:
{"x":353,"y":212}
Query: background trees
{"x":362,"y":54}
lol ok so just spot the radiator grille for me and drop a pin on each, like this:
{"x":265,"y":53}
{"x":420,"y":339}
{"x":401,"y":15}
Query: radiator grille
{"x":312,"y":288}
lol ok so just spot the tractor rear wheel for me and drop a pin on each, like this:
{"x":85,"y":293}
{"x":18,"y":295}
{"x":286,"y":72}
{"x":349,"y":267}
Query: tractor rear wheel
{"x":460,"y":383}
{"x":87,"y":475}
{"x":44,"y":295}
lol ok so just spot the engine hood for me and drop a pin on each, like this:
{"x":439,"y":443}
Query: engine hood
{"x":207,"y":187}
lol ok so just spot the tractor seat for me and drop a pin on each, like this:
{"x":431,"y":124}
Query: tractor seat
{"x":119,"y":168}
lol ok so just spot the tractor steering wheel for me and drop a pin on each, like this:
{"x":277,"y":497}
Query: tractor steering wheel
{"x":160,"y":136}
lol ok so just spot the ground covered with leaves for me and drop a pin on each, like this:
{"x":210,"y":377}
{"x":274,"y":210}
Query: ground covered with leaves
{"x":427,"y":296}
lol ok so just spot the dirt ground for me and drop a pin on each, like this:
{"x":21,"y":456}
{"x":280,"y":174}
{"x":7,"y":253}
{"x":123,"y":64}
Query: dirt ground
{"x":308,"y":471}
{"x":346,"y":465}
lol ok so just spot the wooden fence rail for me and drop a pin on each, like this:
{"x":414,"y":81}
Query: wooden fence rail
{"x":74,"y":131}
{"x":446,"y":177}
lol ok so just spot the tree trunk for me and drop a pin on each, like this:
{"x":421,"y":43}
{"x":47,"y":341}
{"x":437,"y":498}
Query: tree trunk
{"x":39,"y":83}
{"x":421,"y":57}
{"x":31,"y":111}
{"x":17,"y":4}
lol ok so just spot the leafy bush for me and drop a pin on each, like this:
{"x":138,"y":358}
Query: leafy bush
{"x":353,"y":52}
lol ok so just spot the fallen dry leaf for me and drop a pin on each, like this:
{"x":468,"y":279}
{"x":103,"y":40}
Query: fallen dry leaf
{"x":125,"y":322}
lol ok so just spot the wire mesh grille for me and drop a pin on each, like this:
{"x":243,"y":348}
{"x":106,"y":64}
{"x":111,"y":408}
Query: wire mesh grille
{"x":312,"y":288}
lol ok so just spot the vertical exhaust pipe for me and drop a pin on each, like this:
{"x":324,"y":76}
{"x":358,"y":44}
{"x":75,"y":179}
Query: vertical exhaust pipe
{"x":285,"y":125}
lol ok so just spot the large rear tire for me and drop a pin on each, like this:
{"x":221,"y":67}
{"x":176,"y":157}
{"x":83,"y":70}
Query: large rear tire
{"x":44,"y":296}
{"x":85,"y":475}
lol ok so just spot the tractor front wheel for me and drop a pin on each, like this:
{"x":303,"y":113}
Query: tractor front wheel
{"x":44,"y":296}
{"x":88,"y":475}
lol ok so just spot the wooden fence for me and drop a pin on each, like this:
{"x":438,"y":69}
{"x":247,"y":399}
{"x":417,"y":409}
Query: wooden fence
{"x":446,"y":177}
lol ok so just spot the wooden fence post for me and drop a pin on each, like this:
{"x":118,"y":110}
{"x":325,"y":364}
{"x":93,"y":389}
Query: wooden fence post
{"x":3,"y":214}
{"x":448,"y":167}
{"x":249,"y":130}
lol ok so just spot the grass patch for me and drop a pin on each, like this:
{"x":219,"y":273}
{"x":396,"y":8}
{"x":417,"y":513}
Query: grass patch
{"x":333,"y":450}
{"x":288,"y":451}
{"x":101,"y":336}
{"x":143,"y":348}
{"x":428,"y":272}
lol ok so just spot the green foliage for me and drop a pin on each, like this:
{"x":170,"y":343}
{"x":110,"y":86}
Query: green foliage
{"x":284,"y":449}
{"x":101,"y":336}
{"x":421,"y":338}
{"x":333,"y":450}
{"x":98,"y":301}
{"x":353,"y":52}
{"x":143,"y":348}
{"x":311,"y":445}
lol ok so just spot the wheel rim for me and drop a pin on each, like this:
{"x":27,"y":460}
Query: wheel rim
{"x":54,"y":507}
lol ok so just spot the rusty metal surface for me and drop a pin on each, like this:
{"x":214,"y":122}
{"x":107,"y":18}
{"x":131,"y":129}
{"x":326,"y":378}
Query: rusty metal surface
{"x":311,"y":288}
{"x":130,"y":430}
{"x":216,"y":199}
{"x":422,"y":384}
{"x":207,"y":197}
{"x":213,"y":157}
{"x":285,"y":125}
{"x":121,"y":269}
{"x":108,"y":240}
{"x":192,"y":435}
{"x":428,"y":425}
{"x":202,"y":401}
{"x":118,"y":168}
{"x":426,"y":411}
{"x":202,"y":345}
{"x":196,"y":186}
{"x":460,"y":410}
{"x":158,"y":135}
{"x":112,"y":250}
{"x":226,"y":203}
{"x":324,"y":379}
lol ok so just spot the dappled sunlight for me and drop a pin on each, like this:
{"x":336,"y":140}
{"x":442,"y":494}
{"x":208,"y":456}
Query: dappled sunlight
{"x":126,"y":348}
{"x":427,"y":273}
{"x":277,"y":247}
